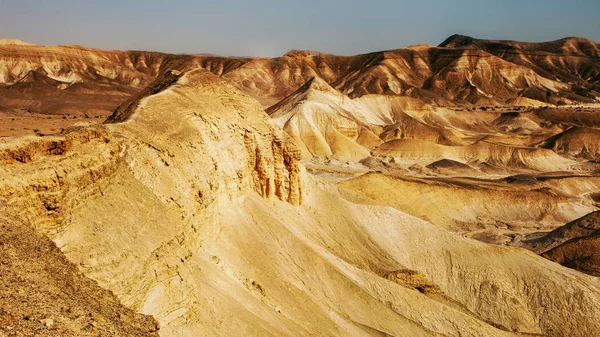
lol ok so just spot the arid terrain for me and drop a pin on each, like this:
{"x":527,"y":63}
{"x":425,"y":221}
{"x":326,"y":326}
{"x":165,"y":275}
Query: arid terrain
{"x":73,"y":82}
{"x":427,"y":191}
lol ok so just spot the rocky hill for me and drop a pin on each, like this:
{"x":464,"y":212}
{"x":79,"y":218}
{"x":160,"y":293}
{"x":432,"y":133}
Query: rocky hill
{"x":195,"y":208}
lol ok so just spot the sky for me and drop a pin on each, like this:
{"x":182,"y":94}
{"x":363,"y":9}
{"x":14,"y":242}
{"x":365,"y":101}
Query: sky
{"x":271,"y":28}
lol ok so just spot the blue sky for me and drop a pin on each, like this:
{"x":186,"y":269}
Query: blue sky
{"x":270,"y":28}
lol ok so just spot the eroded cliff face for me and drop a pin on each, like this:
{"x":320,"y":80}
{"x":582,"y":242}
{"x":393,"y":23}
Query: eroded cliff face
{"x":45,"y":178}
{"x":261,"y":158}
{"x":166,"y":168}
{"x":229,"y":135}
{"x":195,"y":209}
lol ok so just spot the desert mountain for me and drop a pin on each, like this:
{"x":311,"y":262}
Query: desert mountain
{"x":461,"y":70}
{"x":194,"y":207}
{"x":73,"y":79}
{"x":572,"y":61}
{"x":326,"y":123}
{"x":377,"y":194}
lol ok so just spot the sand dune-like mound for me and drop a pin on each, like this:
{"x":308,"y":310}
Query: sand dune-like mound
{"x":577,"y":142}
{"x":513,"y":156}
{"x":451,"y":167}
{"x":469,"y":205}
{"x":493,"y":154}
{"x":408,"y":117}
{"x":524,"y":101}
{"x":408,"y":127}
{"x":196,"y":209}
{"x":516,"y":122}
{"x":414,"y":149}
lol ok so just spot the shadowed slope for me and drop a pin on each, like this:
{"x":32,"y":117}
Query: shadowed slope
{"x":125,"y":110}
{"x":42,"y":293}
{"x":574,"y":245}
{"x":576,"y":142}
{"x":580,"y":253}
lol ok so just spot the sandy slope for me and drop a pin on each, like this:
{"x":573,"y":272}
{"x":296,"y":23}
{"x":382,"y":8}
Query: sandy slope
{"x":326,"y":124}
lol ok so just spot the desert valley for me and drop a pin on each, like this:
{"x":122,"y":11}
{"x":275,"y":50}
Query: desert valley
{"x":449,"y":190}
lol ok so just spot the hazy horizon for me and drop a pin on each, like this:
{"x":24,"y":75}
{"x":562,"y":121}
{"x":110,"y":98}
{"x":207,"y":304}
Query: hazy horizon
{"x":269,"y":28}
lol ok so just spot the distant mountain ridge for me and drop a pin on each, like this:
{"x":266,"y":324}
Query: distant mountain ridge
{"x":460,"y":71}
{"x":566,"y":46}
{"x":14,"y":42}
